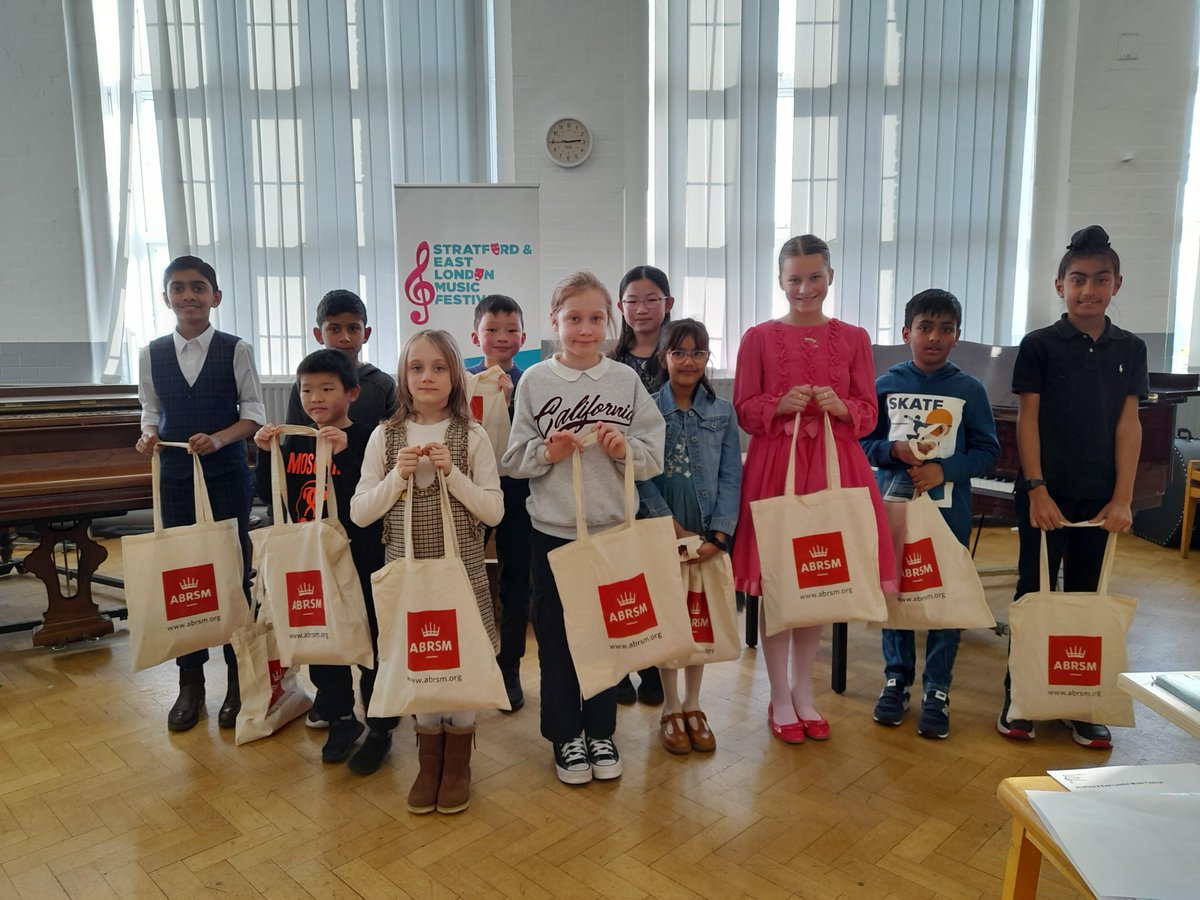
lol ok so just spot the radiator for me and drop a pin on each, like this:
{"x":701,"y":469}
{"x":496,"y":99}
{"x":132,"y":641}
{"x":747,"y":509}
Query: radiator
{"x":275,"y":398}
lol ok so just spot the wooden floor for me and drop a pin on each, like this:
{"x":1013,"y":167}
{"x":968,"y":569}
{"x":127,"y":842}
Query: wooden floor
{"x":97,"y":799}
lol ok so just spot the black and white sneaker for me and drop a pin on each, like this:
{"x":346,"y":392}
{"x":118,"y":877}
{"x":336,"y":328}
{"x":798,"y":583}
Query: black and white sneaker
{"x":892,"y":704}
{"x":606,"y":762}
{"x":935,"y":715}
{"x":571,"y":762}
{"x":314,"y":719}
{"x":1088,"y":734}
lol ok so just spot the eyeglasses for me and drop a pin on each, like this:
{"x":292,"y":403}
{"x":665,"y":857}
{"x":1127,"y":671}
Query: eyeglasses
{"x":698,"y":356}
{"x":649,"y":303}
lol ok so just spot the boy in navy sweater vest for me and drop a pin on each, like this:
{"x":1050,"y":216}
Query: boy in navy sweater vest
{"x":199,"y":385}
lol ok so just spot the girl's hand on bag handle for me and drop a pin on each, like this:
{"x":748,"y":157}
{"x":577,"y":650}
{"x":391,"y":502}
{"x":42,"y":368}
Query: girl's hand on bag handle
{"x":407,"y":461}
{"x":829,"y":402}
{"x":1115,"y":517}
{"x":927,"y":476}
{"x":439,"y":455}
{"x":336,"y":437}
{"x":795,"y":400}
{"x":561,"y":445}
{"x":706,"y":552}
{"x":146,"y":442}
{"x":611,"y":439}
{"x":262,"y":437}
{"x":1043,"y":511}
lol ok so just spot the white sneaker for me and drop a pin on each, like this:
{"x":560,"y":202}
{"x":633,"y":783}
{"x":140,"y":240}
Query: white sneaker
{"x":571,"y":762}
{"x":606,"y":762}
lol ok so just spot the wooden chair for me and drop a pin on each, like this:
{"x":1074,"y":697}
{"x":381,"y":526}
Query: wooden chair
{"x":1191,"y":499}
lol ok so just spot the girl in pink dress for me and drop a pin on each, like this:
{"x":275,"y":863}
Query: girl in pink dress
{"x":809,"y":363}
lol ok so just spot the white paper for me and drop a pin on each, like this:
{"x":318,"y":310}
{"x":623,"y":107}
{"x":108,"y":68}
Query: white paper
{"x":1125,"y":842}
{"x":1179,"y":778}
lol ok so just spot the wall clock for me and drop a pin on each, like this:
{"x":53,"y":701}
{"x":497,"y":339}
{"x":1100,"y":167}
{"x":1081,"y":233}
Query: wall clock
{"x":568,"y":142}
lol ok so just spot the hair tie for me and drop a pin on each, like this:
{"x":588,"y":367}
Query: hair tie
{"x":1092,"y":237}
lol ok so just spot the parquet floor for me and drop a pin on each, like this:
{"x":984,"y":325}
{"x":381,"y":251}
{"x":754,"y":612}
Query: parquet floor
{"x":97,"y":799}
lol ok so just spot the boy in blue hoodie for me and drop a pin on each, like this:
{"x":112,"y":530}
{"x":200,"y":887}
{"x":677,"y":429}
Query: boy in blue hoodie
{"x":946,"y":412}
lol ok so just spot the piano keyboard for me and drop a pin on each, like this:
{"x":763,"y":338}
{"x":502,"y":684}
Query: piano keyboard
{"x":993,"y":487}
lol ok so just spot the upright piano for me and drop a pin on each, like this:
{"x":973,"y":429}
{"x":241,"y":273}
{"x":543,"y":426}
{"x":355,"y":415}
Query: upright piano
{"x":66,"y":457}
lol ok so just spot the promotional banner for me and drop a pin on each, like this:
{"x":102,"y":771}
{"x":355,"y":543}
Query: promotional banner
{"x":457,"y":243}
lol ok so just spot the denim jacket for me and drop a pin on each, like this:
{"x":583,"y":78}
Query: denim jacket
{"x":710,"y":427}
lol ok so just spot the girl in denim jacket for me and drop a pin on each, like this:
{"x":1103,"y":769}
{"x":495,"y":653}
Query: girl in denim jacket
{"x":700,"y":489}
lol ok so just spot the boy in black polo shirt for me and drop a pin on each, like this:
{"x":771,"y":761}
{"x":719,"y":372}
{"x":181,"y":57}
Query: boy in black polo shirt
{"x":1078,"y":436}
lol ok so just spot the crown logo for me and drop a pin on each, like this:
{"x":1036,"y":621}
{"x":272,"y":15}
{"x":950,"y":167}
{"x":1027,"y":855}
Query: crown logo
{"x":430,"y":630}
{"x":1076,"y":652}
{"x":305,"y":590}
{"x":818,"y":551}
{"x":627,"y":600}
{"x":189,"y":584}
{"x":913,"y":559}
{"x":695,"y":608}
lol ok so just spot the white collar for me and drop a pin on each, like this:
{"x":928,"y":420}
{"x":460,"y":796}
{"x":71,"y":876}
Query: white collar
{"x":203,"y":339}
{"x":566,"y":373}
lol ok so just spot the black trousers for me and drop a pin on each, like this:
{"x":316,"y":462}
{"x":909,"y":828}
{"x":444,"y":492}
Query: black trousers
{"x":564,"y":713}
{"x":512,"y":552}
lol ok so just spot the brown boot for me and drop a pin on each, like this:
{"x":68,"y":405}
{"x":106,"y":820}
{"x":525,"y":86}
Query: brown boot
{"x":423,"y":796}
{"x":190,"y":704}
{"x":455,"y":793}
{"x":227,"y":715}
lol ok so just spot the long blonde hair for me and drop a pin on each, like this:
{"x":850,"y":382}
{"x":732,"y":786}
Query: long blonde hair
{"x":577,"y":283}
{"x":459,"y":401}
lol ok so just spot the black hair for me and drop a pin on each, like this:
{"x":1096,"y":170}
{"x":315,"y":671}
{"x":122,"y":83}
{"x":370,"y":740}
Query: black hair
{"x":679,"y":331}
{"x":497,"y":303}
{"x":182,"y":263}
{"x":933,"y":302}
{"x":332,"y":362}
{"x":340,"y":301}
{"x":804,"y":245}
{"x":1088,"y":242}
{"x":626,"y":339}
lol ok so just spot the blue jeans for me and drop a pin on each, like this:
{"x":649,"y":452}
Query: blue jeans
{"x":900,"y":657}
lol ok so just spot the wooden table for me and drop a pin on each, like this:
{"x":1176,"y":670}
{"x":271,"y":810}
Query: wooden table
{"x":1166,"y":704}
{"x":1031,"y":842}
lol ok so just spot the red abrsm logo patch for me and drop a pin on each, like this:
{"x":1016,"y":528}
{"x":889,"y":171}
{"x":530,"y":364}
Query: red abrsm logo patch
{"x":477,"y":407}
{"x":190,"y":591}
{"x":702,"y":629}
{"x":305,"y":599}
{"x":627,"y":608}
{"x":1075,"y":659}
{"x":432,"y":640}
{"x":920,"y":572}
{"x":820,"y":560}
{"x":277,"y":672}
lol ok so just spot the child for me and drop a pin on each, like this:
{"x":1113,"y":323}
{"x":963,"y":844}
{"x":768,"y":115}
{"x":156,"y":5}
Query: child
{"x":1078,"y":436}
{"x":431,"y":432}
{"x":328,"y":386}
{"x":576,"y":392}
{"x":810,"y":364}
{"x":645,"y":301}
{"x":500,"y":334}
{"x":199,"y":385}
{"x":699,"y":487}
{"x":913,"y":395}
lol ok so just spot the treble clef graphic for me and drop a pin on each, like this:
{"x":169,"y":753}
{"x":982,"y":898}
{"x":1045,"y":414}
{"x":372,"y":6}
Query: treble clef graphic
{"x":420,"y":293}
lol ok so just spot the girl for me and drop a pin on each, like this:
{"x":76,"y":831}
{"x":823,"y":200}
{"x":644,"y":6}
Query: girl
{"x":645,"y":301}
{"x":562,"y":400}
{"x":432,"y":431}
{"x":810,"y":364}
{"x":699,"y":487}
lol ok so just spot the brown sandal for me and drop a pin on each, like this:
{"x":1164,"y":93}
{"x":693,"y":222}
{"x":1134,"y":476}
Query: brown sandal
{"x":674,"y":734}
{"x":701,"y":739}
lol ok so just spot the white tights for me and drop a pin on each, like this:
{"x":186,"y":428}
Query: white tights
{"x":794,"y":700}
{"x":463,"y":718}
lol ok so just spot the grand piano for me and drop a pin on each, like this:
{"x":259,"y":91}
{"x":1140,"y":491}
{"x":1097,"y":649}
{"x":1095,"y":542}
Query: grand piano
{"x":66,"y":457}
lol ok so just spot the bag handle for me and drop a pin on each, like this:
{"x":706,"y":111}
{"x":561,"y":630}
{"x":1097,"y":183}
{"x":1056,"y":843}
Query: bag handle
{"x":1110,"y":554}
{"x":833,"y":469}
{"x":204,"y":513}
{"x":322,"y":472}
{"x":631,"y":503}
{"x":449,"y":537}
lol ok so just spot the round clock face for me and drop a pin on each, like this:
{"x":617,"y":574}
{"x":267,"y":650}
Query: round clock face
{"x":568,"y":142}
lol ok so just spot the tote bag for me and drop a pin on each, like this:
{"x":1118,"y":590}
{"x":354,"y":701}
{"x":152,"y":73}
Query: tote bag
{"x":183,"y":585}
{"x":1068,"y":649}
{"x":712,"y":609}
{"x":818,"y":552}
{"x":434,"y":651}
{"x":622,"y":595}
{"x":307,"y":572}
{"x":488,"y":406}
{"x":939,"y":585}
{"x":272,"y":694}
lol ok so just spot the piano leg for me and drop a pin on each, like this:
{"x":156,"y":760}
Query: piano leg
{"x":837,"y":678}
{"x":67,"y":618}
{"x":751,"y":620}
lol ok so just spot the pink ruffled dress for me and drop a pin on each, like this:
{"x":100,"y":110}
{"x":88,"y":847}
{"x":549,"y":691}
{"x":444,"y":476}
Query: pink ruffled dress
{"x":773,"y":358}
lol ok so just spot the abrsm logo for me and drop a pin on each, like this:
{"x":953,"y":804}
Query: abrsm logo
{"x":190,"y":591}
{"x":920,"y":570}
{"x":820,"y":560}
{"x":1075,"y":659}
{"x":477,"y":407}
{"x":432,"y":640}
{"x":702,"y":629}
{"x":305,"y":598}
{"x":626,"y":607}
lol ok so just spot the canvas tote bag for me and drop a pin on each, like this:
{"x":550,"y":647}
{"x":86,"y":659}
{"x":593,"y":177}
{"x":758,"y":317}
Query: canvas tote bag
{"x":622,"y":594}
{"x":1067,"y":650}
{"x":488,"y":406}
{"x":712,"y":609}
{"x":434,"y":651}
{"x":183,"y":585}
{"x":272,"y":694}
{"x":308,"y":575}
{"x":818,"y":552}
{"x":939,"y":585}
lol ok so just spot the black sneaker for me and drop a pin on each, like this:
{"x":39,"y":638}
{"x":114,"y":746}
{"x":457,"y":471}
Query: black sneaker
{"x":1088,"y":734}
{"x":571,"y":762}
{"x":650,"y":691}
{"x":370,"y":755}
{"x":625,"y":692}
{"x":935,"y":715}
{"x":512,"y":687}
{"x":314,"y":719}
{"x":892,"y":703}
{"x":342,"y":735}
{"x":1016,"y":729}
{"x":606,"y":762}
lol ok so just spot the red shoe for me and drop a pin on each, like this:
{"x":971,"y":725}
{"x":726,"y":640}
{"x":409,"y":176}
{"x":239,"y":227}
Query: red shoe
{"x":792,"y":733}
{"x":815,"y":729}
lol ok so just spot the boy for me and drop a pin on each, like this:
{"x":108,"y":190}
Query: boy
{"x":199,"y":385}
{"x":328,"y":385}
{"x":946,"y":411}
{"x":1078,"y":437}
{"x":500,"y":334}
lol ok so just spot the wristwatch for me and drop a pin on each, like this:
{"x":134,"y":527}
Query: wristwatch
{"x":712,"y":538}
{"x":1031,"y":483}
